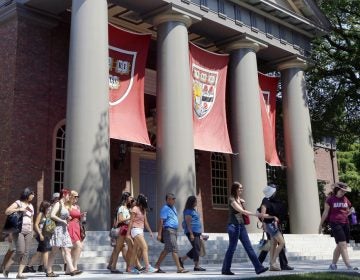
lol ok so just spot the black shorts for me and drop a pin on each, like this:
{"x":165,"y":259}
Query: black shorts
{"x":44,"y":246}
{"x":341,"y":232}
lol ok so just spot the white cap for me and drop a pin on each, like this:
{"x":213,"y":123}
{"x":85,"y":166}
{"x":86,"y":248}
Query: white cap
{"x":56,"y":195}
{"x":269,"y":191}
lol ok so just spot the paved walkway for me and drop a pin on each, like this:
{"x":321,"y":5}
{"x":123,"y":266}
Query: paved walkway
{"x":243,"y":271}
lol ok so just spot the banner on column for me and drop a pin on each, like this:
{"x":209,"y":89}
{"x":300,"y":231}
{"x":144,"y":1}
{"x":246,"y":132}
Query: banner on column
{"x":268,"y":89}
{"x":127,"y":59}
{"x":208,"y":76}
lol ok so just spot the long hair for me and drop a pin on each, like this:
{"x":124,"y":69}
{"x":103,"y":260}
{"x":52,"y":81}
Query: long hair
{"x":190,"y":202}
{"x":234,"y":188}
{"x":44,"y":206}
{"x":141,"y":201}
{"x":25,"y":194}
{"x":64,"y":192}
{"x":124,"y":197}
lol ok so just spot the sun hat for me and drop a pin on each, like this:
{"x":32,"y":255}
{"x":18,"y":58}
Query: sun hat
{"x":269,"y":191}
{"x":342,"y":186}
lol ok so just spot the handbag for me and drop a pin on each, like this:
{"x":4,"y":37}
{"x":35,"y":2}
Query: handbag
{"x":114,"y":232}
{"x":264,"y":244}
{"x":202,"y":248}
{"x":13,"y":223}
{"x":123,"y":229}
{"x":49,"y":227}
{"x":246,"y":219}
{"x":49,"y":224}
{"x":82,"y":231}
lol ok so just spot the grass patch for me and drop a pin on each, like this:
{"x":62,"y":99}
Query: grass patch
{"x":314,"y":276}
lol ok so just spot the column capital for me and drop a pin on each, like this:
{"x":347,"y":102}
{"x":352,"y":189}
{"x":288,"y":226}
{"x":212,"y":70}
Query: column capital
{"x":241,"y":42}
{"x":166,"y":17}
{"x":295,"y":62}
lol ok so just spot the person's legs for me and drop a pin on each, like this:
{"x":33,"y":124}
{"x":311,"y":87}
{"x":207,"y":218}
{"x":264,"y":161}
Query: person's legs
{"x":23,"y":245}
{"x":117,"y":249}
{"x":279,"y":240}
{"x":262,"y":256}
{"x":245,"y":241}
{"x":76,"y":252}
{"x":233,"y":232}
{"x":162,"y":256}
{"x":144,"y":249}
{"x":344,"y":253}
{"x":67,"y":258}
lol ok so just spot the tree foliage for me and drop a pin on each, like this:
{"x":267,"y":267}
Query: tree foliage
{"x":349,"y":165}
{"x":333,"y":81}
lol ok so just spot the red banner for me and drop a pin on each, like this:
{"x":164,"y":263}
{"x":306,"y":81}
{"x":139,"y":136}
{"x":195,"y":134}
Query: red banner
{"x":268,"y":89}
{"x":127,"y":59}
{"x":208,"y":76}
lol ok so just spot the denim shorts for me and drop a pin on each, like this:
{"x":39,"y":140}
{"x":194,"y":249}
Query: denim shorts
{"x":272,"y":229}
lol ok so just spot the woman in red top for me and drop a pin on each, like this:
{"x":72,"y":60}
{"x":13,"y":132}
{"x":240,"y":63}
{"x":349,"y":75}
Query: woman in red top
{"x":74,"y":227}
{"x":336,"y":211}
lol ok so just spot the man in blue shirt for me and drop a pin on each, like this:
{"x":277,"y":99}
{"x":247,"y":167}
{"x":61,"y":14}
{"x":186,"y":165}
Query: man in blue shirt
{"x":167,"y":233}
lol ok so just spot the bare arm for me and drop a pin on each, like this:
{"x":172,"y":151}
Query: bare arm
{"x":160,"y":228}
{"x":238,"y":207}
{"x":53,"y":215}
{"x":264,"y":215}
{"x":132,"y":217}
{"x":147,"y":226}
{"x":14,"y":208}
{"x":37,"y":225}
{"x":324,"y":215}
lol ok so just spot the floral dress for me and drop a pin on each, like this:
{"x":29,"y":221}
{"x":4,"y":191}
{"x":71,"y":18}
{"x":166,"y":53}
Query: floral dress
{"x":61,"y":237}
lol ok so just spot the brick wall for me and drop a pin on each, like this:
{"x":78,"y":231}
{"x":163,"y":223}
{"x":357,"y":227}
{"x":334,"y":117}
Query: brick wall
{"x":325,"y":165}
{"x":8,"y":35}
{"x":33,"y":88}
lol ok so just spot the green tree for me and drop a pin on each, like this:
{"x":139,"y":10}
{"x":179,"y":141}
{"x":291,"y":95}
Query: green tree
{"x":349,"y":165}
{"x":333,"y":81}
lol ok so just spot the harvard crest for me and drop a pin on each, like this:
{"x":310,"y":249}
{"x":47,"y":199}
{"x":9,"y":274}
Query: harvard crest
{"x":121,"y":74}
{"x":204,"y":90}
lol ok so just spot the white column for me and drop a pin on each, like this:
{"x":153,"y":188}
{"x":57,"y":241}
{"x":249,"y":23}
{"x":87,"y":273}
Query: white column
{"x":87,"y":138}
{"x":246,"y":124}
{"x":301,"y":175}
{"x":175,"y":144}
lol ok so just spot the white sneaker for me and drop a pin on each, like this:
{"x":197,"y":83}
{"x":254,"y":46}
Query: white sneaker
{"x":352,"y":268}
{"x":333,"y":267}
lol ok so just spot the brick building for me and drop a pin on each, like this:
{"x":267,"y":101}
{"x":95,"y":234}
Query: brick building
{"x":39,"y":102}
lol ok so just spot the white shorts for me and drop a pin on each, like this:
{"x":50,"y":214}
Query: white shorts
{"x":136,"y":231}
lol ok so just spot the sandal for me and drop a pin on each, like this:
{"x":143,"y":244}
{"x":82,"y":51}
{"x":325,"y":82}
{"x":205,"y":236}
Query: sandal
{"x":51,"y":274}
{"x":182,"y":271}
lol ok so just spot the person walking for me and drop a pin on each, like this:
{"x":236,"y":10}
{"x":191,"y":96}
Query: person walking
{"x":237,"y":231}
{"x":167,"y":231}
{"x":280,"y":211}
{"x":336,"y":210}
{"x":61,"y":238}
{"x":44,"y":246}
{"x":21,"y":239}
{"x":271,"y":226}
{"x":73,"y":227}
{"x":122,"y":221}
{"x":138,"y":222}
{"x":193,"y":230}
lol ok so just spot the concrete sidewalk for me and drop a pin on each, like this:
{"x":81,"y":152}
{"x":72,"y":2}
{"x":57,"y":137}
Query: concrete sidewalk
{"x":242,"y":271}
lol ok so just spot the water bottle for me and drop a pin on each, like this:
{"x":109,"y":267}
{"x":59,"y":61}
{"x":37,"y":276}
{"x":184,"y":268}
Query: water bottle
{"x":353,"y":218}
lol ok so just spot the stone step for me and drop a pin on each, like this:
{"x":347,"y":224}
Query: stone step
{"x":97,"y":249}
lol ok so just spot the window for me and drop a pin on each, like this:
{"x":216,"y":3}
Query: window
{"x":59,"y":156}
{"x":219,"y":180}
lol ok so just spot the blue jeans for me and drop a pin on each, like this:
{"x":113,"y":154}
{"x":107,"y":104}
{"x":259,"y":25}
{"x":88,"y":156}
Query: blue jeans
{"x":238,"y":232}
